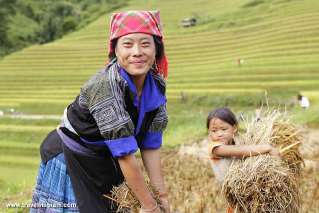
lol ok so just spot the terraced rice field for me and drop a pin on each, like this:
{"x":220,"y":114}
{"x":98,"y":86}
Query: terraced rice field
{"x":279,"y":46}
{"x":277,"y":39}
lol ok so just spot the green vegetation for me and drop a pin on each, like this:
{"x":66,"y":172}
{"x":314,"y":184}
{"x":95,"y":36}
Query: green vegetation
{"x":276,"y":40}
{"x":25,"y":22}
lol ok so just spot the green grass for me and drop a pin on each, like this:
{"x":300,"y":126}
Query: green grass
{"x":278,"y":40}
{"x":308,"y":117}
{"x":16,"y":186}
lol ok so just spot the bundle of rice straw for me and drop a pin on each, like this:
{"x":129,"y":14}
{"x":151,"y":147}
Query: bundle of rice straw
{"x":126,"y":200}
{"x":264,"y":183}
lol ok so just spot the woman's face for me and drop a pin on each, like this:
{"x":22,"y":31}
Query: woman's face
{"x":136,"y":53}
{"x":221,"y":131}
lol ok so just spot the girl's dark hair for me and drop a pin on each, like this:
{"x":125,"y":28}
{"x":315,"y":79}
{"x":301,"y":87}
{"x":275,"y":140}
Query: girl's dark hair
{"x":159,"y":48}
{"x":223,"y":114}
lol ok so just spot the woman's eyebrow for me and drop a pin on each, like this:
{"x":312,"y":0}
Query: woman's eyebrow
{"x":145,"y":38}
{"x":132,"y":40}
{"x":127,"y":39}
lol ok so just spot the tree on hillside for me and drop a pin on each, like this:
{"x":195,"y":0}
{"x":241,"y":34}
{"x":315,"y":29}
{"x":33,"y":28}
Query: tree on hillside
{"x":6,"y":8}
{"x":24,"y":22}
{"x":61,"y":18}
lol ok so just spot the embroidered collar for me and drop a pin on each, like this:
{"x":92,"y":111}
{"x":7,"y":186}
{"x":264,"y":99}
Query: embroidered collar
{"x":151,"y":97}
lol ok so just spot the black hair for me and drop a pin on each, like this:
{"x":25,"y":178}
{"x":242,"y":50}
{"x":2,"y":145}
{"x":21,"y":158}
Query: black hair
{"x":113,"y":45}
{"x":159,"y":48}
{"x":224,"y":114}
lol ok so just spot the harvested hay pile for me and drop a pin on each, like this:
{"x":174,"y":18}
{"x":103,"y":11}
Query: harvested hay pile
{"x":265,"y":183}
{"x":187,"y":180}
{"x":126,"y":200}
{"x":288,"y":138}
{"x":261,"y":184}
{"x":191,"y":184}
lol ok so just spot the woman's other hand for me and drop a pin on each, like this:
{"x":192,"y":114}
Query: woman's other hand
{"x":165,"y":204}
{"x":155,"y":209}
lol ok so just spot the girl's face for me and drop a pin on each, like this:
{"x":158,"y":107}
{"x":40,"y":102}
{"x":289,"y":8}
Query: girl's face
{"x":136,"y":53}
{"x":221,"y":131}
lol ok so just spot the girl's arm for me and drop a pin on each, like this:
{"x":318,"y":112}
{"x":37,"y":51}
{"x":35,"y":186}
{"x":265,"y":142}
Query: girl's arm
{"x":240,"y":151}
{"x":135,"y":179}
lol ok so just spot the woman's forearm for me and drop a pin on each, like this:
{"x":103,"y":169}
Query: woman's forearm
{"x":135,"y":179}
{"x":241,"y":150}
{"x":152,"y":162}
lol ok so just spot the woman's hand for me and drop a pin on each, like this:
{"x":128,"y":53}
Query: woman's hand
{"x":135,"y":179}
{"x":152,"y":163}
{"x":154,"y":209}
{"x":165,"y":204}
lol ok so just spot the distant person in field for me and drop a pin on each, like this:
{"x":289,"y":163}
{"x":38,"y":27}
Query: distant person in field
{"x":222,"y":127}
{"x":240,"y":62}
{"x":119,"y":110}
{"x":303,"y":101}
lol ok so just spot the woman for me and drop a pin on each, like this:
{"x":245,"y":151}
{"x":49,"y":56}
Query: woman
{"x":120,"y":109}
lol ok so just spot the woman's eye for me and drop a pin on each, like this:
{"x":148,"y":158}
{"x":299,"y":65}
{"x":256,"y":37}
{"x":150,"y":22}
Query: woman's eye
{"x":127,"y":44}
{"x":145,"y":44}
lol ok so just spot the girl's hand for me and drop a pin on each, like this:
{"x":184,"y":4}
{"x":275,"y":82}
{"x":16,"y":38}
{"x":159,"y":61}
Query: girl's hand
{"x":274,"y":152}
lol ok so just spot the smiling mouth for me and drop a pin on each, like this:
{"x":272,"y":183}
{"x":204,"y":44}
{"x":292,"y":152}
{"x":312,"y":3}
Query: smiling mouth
{"x":137,"y":62}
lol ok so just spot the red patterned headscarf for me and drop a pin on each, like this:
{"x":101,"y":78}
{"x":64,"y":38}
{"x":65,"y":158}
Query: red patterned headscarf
{"x":148,"y":22}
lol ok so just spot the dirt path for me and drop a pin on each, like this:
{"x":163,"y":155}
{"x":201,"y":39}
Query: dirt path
{"x":32,"y":117}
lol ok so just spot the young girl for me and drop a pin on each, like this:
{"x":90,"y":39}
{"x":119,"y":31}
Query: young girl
{"x":222,"y":126}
